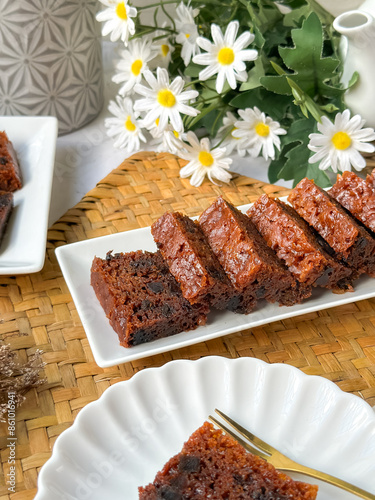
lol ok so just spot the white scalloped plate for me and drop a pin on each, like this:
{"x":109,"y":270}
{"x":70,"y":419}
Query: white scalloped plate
{"x":75,"y":261}
{"x":120,"y":441}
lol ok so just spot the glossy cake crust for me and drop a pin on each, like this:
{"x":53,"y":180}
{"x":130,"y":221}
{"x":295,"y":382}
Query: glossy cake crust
{"x":190,"y":259}
{"x":251,"y":265}
{"x":357,"y":196}
{"x":213,"y":465}
{"x":351,"y":242}
{"x":295,"y":243}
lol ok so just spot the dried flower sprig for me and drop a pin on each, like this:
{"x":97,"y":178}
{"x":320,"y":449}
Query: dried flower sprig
{"x":17,"y":377}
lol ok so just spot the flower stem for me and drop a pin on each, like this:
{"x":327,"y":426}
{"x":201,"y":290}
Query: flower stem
{"x":156,"y":4}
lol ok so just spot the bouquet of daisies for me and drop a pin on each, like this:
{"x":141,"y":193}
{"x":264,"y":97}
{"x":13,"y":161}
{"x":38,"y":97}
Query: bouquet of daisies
{"x":219,"y":78}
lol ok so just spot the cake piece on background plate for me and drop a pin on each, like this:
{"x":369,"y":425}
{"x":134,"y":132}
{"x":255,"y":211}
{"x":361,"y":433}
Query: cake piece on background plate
{"x":10,"y":173}
{"x":6,"y":207}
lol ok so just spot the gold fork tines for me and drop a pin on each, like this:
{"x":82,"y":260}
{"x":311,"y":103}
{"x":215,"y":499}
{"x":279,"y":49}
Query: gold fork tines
{"x":259,"y":447}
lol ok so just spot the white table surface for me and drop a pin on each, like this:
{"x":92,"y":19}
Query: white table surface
{"x":87,"y":155}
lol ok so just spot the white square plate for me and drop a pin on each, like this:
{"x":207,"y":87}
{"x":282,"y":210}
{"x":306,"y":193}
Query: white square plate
{"x":23,"y":248}
{"x":76,"y":259}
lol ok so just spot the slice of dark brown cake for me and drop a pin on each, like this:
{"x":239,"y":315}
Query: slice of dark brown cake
{"x":349,"y":240}
{"x":213,"y":465}
{"x":141,"y":298}
{"x":357,"y":196}
{"x":296,"y":244}
{"x":6,"y":207}
{"x":10,"y":173}
{"x":250,"y":264}
{"x":190,"y":259}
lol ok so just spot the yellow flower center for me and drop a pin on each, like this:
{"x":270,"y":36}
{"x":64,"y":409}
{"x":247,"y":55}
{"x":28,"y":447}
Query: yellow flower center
{"x":166,"y":98}
{"x":262,"y":129}
{"x":165,"y":50}
{"x":129,"y":125}
{"x":231,"y":133}
{"x":121,"y":11}
{"x":157,"y":121}
{"x":205,"y":158}
{"x":176,"y":134}
{"x":187,"y":35}
{"x":341,"y":140}
{"x":225,"y":56}
{"x":136,"y":67}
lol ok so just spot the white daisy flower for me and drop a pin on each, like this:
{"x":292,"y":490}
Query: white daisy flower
{"x":259,"y":134}
{"x":117,"y":18}
{"x":124,"y":126}
{"x":226,"y":55}
{"x":204,"y":161}
{"x":167,"y":140}
{"x":164,"y":100}
{"x":225,"y":134}
{"x":133,"y":64}
{"x":187,"y":32}
{"x":163,"y":50}
{"x":339,"y":144}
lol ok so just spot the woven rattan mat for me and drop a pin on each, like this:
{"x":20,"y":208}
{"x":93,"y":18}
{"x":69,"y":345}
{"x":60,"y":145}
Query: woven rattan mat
{"x":37,"y":312}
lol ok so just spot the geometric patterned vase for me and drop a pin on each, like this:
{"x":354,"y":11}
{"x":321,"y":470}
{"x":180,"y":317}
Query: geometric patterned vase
{"x":51,"y":60}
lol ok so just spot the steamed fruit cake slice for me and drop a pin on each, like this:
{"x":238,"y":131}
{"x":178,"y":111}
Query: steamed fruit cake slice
{"x":351,"y":242}
{"x":250,"y":264}
{"x":10,"y":173}
{"x":6,"y":207}
{"x":357,"y":196}
{"x":295,"y":243}
{"x":190,"y":259}
{"x":141,"y":298}
{"x":213,"y":465}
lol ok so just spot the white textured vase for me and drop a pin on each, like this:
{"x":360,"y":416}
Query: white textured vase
{"x":358,"y":28}
{"x":50,"y":60}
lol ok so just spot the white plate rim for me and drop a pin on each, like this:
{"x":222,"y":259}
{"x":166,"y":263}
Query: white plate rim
{"x":106,"y":355}
{"x":37,"y":210}
{"x":169,"y":369}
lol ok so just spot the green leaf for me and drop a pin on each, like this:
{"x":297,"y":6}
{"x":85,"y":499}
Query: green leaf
{"x":193,"y":70}
{"x":320,"y":177}
{"x":271,"y":104}
{"x":311,"y":69}
{"x":254,"y":76}
{"x":295,"y":154}
{"x":353,"y":80}
{"x":276,"y":84}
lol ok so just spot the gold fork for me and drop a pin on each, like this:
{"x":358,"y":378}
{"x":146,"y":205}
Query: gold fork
{"x":280,"y":461}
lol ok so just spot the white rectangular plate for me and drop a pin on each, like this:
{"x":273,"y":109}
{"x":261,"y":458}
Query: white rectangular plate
{"x":23,"y":248}
{"x":76,"y":259}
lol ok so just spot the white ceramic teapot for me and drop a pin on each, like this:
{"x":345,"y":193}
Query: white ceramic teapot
{"x":358,"y":52}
